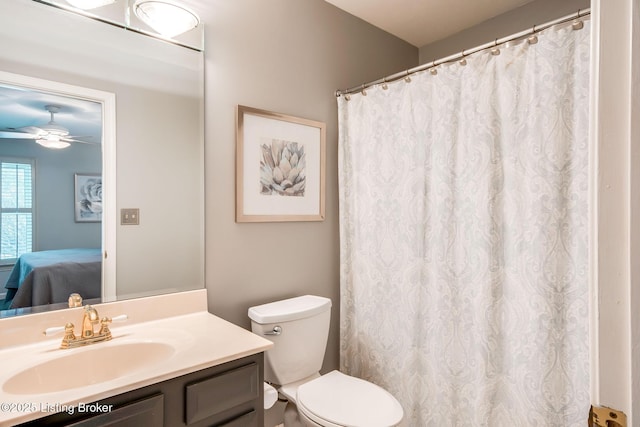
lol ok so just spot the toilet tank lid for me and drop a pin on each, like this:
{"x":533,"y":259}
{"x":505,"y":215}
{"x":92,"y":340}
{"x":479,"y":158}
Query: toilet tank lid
{"x":289,"y":309}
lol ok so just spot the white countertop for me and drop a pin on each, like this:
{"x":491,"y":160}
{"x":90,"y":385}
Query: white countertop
{"x":199,"y":339}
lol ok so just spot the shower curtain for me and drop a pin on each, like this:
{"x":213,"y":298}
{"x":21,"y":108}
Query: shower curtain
{"x":464,"y":237}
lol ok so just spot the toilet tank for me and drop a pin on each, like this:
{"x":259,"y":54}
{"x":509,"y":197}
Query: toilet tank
{"x":299,"y":347}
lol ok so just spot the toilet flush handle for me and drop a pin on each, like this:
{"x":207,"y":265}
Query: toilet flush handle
{"x":277,"y":330}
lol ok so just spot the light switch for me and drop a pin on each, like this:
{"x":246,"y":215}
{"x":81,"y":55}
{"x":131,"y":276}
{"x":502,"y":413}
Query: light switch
{"x":130,"y":216}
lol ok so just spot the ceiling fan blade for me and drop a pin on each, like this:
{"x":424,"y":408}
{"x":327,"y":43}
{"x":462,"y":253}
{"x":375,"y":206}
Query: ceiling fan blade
{"x":78,"y":140}
{"x":34,"y":130}
{"x":12,"y":134}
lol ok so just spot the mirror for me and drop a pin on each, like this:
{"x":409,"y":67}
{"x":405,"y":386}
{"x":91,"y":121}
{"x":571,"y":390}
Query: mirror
{"x":157,"y":164}
{"x":52,"y":238}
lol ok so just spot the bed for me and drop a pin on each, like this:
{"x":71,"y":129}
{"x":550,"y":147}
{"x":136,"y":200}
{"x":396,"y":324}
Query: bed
{"x":49,"y":277}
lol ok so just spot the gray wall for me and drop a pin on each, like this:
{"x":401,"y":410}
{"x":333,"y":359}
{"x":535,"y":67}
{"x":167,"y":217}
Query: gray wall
{"x":287,"y":56}
{"x":522,"y":18}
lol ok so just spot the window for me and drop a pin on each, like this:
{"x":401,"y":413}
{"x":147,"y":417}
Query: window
{"x":16,"y":209}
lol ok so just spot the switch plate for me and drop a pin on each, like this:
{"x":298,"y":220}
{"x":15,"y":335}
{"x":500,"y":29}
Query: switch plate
{"x":130,"y":216}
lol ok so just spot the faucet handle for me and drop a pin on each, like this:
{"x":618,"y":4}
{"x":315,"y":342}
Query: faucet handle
{"x":107,"y":320}
{"x":120,"y":318}
{"x":53,"y":331}
{"x":69,"y":336}
{"x":68,"y":328}
{"x":104,"y":324}
{"x":57,"y":329}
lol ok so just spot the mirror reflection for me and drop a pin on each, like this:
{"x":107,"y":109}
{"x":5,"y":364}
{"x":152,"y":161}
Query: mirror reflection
{"x":158,"y":163}
{"x":51,"y":212}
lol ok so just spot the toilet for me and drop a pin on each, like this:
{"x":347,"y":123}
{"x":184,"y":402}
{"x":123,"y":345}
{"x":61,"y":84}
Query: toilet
{"x":299,"y":328}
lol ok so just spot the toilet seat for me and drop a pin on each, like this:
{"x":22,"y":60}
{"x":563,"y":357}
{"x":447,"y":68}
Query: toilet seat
{"x":339,"y":400}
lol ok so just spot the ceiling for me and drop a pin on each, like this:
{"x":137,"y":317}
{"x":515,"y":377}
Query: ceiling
{"x":20,"y":107}
{"x":421,"y":22}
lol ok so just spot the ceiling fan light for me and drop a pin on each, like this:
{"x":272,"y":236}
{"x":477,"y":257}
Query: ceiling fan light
{"x":167,"y":18}
{"x":53,"y":141}
{"x":89,"y":4}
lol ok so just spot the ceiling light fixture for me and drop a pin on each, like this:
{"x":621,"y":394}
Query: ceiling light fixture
{"x":167,"y":18}
{"x":89,"y":4}
{"x":51,"y":135}
{"x":52,"y":141}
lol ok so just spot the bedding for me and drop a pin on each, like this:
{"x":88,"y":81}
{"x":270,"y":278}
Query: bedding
{"x":48,"y":277}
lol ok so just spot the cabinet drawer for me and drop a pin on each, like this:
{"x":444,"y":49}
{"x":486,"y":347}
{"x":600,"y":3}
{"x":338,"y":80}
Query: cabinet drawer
{"x":211,"y":396}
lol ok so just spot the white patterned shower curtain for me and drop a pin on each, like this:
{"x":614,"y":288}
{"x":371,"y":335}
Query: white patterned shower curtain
{"x":464,"y":237}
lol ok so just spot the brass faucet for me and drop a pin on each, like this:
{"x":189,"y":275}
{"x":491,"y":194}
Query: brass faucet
{"x":88,"y":335}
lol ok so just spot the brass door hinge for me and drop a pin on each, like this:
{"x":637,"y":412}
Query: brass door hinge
{"x":601,"y":416}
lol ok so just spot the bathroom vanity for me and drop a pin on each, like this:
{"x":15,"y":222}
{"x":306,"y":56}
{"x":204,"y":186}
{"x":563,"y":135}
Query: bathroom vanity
{"x":227,"y":395}
{"x":185,"y":367}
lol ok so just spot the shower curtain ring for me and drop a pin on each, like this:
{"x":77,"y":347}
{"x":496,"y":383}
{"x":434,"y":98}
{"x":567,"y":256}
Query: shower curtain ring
{"x":385,"y":86}
{"x":533,"y":39}
{"x":495,"y":51}
{"x":433,"y":69}
{"x":463,"y":60}
{"x":364,"y":92}
{"x":407,"y":78}
{"x":577,"y":22}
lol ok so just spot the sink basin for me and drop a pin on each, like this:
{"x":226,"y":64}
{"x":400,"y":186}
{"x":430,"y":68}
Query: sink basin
{"x":86,"y":366}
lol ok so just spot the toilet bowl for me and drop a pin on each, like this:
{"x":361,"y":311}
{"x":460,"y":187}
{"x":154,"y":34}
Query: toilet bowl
{"x":299,"y":329}
{"x":336,"y":399}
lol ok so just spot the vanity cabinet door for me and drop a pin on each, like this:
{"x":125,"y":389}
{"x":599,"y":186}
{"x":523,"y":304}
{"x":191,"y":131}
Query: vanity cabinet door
{"x":226,"y":390}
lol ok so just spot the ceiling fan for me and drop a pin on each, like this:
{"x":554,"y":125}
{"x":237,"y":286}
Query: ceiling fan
{"x":50,"y":135}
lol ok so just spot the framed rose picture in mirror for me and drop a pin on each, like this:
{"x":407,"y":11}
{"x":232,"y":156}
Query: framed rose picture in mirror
{"x":88,"y":197}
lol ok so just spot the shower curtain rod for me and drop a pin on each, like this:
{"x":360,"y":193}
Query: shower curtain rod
{"x":461,"y":55}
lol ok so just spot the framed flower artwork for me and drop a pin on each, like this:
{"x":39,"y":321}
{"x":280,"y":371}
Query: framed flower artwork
{"x":280,"y":167}
{"x":88,"y":197}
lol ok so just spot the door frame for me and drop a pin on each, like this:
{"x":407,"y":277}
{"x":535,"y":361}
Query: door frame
{"x":615,"y":206}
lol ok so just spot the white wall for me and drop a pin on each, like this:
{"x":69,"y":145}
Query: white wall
{"x":615,"y":141}
{"x":634,"y":196}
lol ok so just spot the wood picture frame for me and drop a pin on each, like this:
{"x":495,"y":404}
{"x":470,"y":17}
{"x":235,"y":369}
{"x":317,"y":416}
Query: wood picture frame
{"x":280,"y":167}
